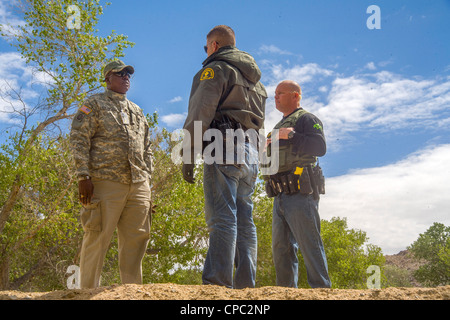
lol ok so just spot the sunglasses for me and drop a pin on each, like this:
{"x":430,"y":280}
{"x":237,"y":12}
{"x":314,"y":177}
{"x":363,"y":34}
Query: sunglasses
{"x":123,"y":73}
{"x":206,"y":47}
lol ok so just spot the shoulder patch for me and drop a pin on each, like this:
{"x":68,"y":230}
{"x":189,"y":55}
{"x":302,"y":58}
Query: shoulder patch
{"x":207,"y":74}
{"x":318,"y":127}
{"x":85,"y":110}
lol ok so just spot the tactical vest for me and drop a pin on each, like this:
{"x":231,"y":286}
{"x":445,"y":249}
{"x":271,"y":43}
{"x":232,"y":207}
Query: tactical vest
{"x":289,"y":158}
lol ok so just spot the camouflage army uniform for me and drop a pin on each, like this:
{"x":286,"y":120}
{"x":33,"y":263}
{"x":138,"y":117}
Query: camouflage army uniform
{"x":106,"y":148}
{"x":110,"y":143}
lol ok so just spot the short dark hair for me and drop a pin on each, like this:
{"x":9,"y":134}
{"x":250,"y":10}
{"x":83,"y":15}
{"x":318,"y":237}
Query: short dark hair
{"x":223,"y":34}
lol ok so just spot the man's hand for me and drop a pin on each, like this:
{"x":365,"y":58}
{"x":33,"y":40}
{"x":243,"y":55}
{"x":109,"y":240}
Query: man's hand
{"x":283,"y":133}
{"x":85,"y":190}
{"x":188,"y":172}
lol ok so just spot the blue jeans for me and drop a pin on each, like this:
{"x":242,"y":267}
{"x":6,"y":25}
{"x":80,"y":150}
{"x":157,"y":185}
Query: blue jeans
{"x":296,"y":224}
{"x":232,"y":234}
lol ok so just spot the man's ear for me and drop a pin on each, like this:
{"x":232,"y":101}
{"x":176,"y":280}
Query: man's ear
{"x":107,"y":81}
{"x":216,"y":46}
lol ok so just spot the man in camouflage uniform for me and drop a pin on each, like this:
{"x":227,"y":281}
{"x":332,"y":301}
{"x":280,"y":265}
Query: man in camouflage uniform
{"x":111,"y":147}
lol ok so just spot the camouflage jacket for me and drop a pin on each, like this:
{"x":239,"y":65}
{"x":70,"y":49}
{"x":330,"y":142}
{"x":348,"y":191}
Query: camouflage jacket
{"x":110,"y":139}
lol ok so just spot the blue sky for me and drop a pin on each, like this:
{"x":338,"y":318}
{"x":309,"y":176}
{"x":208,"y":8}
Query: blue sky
{"x":383,"y":95}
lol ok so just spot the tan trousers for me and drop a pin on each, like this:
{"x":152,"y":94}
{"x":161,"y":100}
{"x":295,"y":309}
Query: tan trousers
{"x":126,"y":207}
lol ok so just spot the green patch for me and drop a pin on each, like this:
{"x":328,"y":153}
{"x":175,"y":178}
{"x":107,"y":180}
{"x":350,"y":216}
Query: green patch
{"x":318,"y":127}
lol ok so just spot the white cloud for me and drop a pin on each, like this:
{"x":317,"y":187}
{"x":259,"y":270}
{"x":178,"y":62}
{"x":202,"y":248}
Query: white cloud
{"x":302,"y":74}
{"x":174,"y":120}
{"x":370,"y":101}
{"x":8,"y":21}
{"x":384,"y":101}
{"x":12,"y":69}
{"x":394,"y":203}
{"x":16,"y":77}
{"x":370,"y":66}
{"x":264,"y":49}
{"x":176,"y":99}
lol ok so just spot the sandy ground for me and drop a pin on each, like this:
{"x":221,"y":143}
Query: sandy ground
{"x":170,"y":291}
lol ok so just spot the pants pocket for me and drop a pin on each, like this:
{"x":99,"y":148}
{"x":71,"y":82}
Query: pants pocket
{"x":91,"y":217}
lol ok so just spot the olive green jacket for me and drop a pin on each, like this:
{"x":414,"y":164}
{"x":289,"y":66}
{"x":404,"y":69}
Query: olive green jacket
{"x":227,"y":85}
{"x":304,"y":147}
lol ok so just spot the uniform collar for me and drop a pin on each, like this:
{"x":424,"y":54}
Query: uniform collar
{"x":290,"y":114}
{"x":115,"y":95}
{"x":214,"y":56}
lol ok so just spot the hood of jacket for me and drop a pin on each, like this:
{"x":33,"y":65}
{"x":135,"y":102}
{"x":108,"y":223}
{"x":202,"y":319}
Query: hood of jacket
{"x":239,"y":59}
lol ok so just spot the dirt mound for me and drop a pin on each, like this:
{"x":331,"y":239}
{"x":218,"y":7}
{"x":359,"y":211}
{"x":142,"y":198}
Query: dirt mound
{"x":170,"y":291}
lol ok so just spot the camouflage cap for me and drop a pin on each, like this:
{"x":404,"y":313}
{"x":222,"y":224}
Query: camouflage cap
{"x":116,"y":66}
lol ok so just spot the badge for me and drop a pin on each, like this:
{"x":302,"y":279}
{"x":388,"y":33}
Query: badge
{"x":207,"y":74}
{"x":125,"y":118}
{"x":85,"y":110}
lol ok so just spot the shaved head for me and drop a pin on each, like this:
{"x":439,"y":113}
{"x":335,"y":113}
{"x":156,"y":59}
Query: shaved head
{"x":291,"y":85}
{"x":287,"y":96}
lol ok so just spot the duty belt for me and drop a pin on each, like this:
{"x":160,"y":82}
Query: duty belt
{"x":306,"y":180}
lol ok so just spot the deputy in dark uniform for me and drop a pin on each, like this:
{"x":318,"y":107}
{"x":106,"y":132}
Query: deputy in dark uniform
{"x":296,"y":188}
{"x":226,"y":94}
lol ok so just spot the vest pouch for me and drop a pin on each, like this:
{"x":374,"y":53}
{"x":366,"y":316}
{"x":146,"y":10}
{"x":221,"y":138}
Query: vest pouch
{"x":276,"y":185}
{"x":293,"y":182}
{"x":91,"y":217}
{"x":269,"y":190}
{"x":284,"y":183}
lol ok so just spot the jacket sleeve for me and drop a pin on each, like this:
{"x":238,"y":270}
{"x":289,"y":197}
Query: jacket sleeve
{"x":207,"y":89}
{"x":309,"y":137}
{"x":83,"y":129}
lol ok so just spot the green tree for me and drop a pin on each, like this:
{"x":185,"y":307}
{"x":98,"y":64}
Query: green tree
{"x":348,"y":254}
{"x":179,"y":234}
{"x":433,"y":246}
{"x":397,"y":277}
{"x":262,"y":216}
{"x":43,"y":229}
{"x":71,"y":58}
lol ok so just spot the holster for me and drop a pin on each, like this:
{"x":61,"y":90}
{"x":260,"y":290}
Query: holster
{"x":273,"y":187}
{"x":317,"y":181}
{"x":270,"y":191}
{"x":305,"y":182}
{"x":293,"y":182}
{"x":320,"y":179}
